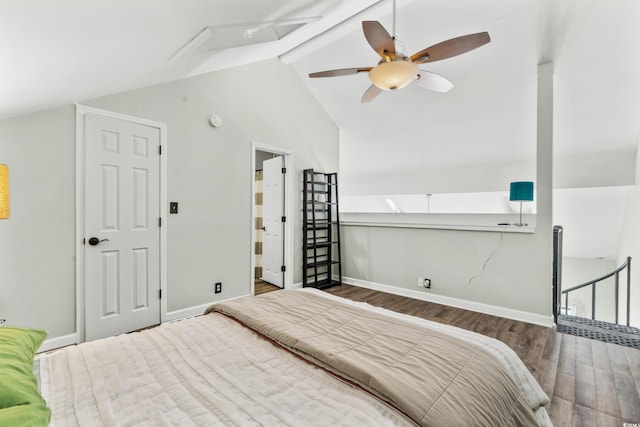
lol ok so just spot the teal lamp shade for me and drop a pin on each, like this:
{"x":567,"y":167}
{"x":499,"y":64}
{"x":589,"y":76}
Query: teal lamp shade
{"x":521,"y":191}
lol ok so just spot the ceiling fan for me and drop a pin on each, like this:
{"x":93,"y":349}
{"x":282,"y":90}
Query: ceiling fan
{"x":395,"y":70}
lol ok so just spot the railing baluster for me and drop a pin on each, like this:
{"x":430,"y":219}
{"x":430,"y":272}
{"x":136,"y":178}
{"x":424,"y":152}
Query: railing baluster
{"x":628,"y":288}
{"x":593,"y":301}
{"x":616,"y":296}
{"x":557,"y":272}
{"x":566,"y":304}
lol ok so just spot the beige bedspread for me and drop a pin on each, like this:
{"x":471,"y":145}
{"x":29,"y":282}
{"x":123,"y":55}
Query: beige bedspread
{"x":435,"y":378}
{"x":205,"y":371}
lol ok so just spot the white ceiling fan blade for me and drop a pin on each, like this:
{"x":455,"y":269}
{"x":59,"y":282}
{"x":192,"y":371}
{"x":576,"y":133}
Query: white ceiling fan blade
{"x":433,"y":81}
{"x":370,"y":94}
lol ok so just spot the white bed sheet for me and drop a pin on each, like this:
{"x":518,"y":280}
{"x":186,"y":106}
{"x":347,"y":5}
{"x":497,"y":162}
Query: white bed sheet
{"x":204,"y":371}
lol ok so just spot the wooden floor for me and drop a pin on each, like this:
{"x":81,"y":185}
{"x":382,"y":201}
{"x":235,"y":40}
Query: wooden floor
{"x":262,"y":287}
{"x":590,"y":383}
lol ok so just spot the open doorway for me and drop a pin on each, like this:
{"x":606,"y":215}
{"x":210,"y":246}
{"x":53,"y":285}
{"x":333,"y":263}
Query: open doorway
{"x":271,"y":257}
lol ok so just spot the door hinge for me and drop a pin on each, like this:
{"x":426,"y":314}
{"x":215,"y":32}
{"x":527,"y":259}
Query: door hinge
{"x":283,"y":268}
{"x":284,"y":219}
{"x":160,"y":222}
{"x":160,"y":293}
{"x":160,"y":149}
{"x":284,"y":170}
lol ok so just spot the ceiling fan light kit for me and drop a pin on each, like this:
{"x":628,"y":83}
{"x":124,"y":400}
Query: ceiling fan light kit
{"x":395,"y":71}
{"x":394,"y":74}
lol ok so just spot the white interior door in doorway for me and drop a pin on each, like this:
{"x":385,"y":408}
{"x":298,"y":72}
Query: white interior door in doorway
{"x":122,"y":212}
{"x":272,"y":215}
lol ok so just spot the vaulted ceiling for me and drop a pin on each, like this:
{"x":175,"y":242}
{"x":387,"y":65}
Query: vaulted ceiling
{"x":57,"y":52}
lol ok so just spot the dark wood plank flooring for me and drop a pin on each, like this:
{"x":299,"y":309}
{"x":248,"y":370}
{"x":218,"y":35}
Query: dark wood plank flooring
{"x":262,"y":287}
{"x":590,"y":383}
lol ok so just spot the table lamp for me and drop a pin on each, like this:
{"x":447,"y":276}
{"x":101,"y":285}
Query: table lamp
{"x":521,"y":191}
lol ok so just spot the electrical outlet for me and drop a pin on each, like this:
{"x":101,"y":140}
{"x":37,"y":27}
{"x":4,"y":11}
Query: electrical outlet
{"x":423,"y":282}
{"x":217,"y":287}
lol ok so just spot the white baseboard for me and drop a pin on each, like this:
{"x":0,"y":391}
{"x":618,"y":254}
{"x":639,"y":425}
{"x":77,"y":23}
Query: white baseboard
{"x":57,"y":342}
{"x":193,"y":311}
{"x":494,"y":310}
{"x":71,"y":339}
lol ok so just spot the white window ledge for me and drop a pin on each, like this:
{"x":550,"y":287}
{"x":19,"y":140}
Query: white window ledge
{"x":468,"y":222}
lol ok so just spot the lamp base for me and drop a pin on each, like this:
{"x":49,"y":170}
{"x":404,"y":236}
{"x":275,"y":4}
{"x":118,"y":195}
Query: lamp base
{"x":520,"y":224}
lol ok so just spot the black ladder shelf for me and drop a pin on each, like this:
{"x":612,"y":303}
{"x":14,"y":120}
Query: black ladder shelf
{"x":320,"y":230}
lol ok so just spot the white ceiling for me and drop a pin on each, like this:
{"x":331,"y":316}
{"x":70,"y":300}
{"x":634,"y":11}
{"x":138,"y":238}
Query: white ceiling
{"x":61,"y":51}
{"x":57,"y":52}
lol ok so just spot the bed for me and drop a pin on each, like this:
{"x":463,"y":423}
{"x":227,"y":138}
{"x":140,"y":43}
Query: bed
{"x":297,"y":358}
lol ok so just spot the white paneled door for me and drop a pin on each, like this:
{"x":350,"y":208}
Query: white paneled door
{"x":272,"y":214}
{"x":122,"y":241}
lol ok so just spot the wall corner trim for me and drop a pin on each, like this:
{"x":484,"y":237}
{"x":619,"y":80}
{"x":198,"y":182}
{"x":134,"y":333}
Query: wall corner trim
{"x":494,"y":310}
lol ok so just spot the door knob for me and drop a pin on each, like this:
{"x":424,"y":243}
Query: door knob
{"x":94,"y":241}
{"x":263,"y":228}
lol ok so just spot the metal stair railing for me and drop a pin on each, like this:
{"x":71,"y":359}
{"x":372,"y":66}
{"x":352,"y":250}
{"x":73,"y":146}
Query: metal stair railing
{"x":593,"y":283}
{"x":557,"y":271}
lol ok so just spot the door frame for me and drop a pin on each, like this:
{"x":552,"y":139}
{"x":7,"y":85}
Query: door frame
{"x":289,"y":163}
{"x":81,"y":112}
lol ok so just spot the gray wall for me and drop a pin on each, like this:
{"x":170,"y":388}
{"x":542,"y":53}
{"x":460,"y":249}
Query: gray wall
{"x":453,"y":260}
{"x":209,"y":174}
{"x":37,"y":244}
